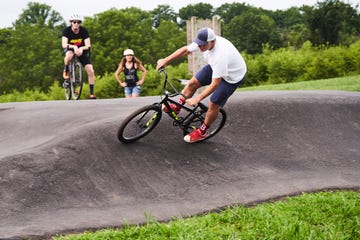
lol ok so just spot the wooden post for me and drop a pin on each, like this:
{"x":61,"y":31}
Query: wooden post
{"x":196,"y":60}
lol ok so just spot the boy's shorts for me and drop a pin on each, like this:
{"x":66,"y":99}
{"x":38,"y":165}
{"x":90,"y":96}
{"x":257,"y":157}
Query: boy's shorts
{"x":222,"y":92}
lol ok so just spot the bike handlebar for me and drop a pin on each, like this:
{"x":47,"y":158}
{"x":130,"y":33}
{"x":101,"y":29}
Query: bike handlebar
{"x":162,"y":70}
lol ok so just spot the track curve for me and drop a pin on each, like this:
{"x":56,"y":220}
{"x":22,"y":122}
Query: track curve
{"x":63,"y":169}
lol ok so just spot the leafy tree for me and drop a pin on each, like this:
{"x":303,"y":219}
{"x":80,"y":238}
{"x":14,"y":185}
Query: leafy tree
{"x":31,"y":50}
{"x":40,"y":14}
{"x":167,"y":39}
{"x":31,"y":53}
{"x":163,"y":12}
{"x":128,"y":28}
{"x":330,"y":19}
{"x":296,"y":35}
{"x":199,"y":10}
{"x":287,"y":18}
{"x":30,"y":63}
{"x":228,"y":11}
{"x":292,"y":25}
{"x":255,"y":31}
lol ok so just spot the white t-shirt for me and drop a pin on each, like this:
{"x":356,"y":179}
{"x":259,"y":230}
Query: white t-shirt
{"x":224,"y":59}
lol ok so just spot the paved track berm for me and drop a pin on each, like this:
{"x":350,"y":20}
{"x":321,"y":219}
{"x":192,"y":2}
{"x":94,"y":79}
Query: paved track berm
{"x":63,"y":169}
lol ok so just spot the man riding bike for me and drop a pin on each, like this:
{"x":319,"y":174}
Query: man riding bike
{"x":224,"y":72}
{"x":76,"y":40}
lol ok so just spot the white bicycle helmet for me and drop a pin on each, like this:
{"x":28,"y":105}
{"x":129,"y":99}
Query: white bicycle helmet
{"x":76,"y":17}
{"x":129,"y":52}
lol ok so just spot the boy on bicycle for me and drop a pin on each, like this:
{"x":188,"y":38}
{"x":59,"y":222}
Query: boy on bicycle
{"x":76,"y":40}
{"x":224,"y":72}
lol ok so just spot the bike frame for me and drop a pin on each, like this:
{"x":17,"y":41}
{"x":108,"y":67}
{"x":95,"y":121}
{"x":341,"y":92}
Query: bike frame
{"x":191,"y":113}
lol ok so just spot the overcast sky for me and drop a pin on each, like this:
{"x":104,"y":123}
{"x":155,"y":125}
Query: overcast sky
{"x":11,"y":10}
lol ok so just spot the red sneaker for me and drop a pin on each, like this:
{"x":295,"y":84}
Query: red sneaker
{"x":195,"y":136}
{"x":174,"y":107}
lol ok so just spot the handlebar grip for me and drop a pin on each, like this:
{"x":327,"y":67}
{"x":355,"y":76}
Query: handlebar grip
{"x":162,"y":69}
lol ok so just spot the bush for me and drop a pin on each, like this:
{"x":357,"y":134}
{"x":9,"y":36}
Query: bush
{"x":307,"y":63}
{"x":280,"y":66}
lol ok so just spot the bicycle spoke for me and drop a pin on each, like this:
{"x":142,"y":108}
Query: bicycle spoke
{"x":139,"y":123}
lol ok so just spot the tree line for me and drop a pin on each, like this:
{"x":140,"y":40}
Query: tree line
{"x":31,"y":55}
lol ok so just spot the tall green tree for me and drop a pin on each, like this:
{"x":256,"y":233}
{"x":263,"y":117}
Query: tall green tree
{"x":126,"y":28}
{"x":331,"y":19}
{"x":199,"y":10}
{"x":29,"y":61}
{"x":228,"y":11}
{"x":167,"y":39}
{"x":292,"y":26}
{"x":163,"y":12}
{"x":256,"y":30}
{"x":31,"y":53}
{"x":41,"y":15}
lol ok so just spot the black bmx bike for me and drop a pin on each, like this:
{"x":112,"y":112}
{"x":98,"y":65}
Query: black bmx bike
{"x":144,"y":120}
{"x":73,"y":91}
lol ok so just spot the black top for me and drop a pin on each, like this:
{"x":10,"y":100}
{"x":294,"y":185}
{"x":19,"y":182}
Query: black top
{"x":131,"y":76}
{"x":76,"y":39}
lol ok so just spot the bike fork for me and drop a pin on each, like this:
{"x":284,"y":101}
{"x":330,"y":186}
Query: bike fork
{"x":151,"y":120}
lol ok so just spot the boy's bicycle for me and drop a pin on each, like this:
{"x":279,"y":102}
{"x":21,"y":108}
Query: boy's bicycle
{"x":144,"y":120}
{"x":76,"y":79}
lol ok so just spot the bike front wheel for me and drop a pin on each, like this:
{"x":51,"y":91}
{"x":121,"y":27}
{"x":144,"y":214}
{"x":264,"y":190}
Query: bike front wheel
{"x":139,"y":123}
{"x":76,"y":80}
{"x":68,"y":91}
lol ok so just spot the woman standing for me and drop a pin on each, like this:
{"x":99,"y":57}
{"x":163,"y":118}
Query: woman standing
{"x":129,"y":64}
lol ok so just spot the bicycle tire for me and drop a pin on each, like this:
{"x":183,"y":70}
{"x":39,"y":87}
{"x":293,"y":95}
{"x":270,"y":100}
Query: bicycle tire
{"x":76,"y":80}
{"x":68,"y":92}
{"x":196,"y":121}
{"x":139,"y":123}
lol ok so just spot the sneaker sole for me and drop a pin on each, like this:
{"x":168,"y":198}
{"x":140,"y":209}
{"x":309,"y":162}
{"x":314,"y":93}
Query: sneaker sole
{"x":188,"y":141}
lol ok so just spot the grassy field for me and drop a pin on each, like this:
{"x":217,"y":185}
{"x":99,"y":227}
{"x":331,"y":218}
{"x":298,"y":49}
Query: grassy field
{"x":322,"y":215}
{"x":351,"y":83}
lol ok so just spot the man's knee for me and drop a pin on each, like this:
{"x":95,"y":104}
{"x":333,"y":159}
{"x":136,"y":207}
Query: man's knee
{"x":194,"y":83}
{"x":214,"y":106}
{"x":89,"y":69}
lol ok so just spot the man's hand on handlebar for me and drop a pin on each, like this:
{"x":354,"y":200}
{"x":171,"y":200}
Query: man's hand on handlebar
{"x":161,"y":63}
{"x":192,"y":101}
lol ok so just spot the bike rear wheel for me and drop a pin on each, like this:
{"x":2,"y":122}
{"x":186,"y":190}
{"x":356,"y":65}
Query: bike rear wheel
{"x":196,"y":121}
{"x":76,"y":80}
{"x":139,"y":123}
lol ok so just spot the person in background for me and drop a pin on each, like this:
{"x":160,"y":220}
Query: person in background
{"x":223,"y":73}
{"x":76,"y":40}
{"x":130,"y":65}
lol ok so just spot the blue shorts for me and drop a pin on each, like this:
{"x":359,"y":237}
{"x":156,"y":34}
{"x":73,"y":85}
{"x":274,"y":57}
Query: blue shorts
{"x":222,"y":92}
{"x":132,"y":90}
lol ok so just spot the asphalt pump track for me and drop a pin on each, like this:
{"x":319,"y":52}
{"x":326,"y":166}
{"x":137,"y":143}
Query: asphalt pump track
{"x":63,"y":169}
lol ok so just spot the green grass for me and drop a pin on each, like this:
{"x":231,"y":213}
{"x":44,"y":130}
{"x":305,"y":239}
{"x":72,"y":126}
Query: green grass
{"x":351,"y":83}
{"x":322,"y":215}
